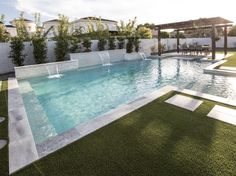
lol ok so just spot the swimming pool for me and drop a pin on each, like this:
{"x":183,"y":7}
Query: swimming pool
{"x":55,"y":106}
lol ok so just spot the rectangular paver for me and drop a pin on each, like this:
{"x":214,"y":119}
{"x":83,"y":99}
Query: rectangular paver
{"x":224,"y":114}
{"x":184,"y":102}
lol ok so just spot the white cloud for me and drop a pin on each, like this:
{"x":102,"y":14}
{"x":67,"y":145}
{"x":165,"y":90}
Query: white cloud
{"x":156,"y":11}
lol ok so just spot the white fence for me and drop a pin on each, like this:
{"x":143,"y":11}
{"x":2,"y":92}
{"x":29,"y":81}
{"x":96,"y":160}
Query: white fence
{"x":146,"y":44}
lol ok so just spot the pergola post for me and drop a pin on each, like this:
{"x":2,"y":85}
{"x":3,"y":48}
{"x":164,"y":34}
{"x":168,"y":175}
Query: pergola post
{"x":159,"y":41}
{"x":177,"y":35}
{"x":225,"y":40}
{"x":213,"y":40}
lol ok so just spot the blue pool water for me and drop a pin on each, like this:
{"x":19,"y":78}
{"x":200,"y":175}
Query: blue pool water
{"x":56,"y":105}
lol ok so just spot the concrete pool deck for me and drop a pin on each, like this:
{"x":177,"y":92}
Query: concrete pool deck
{"x":22,"y":147}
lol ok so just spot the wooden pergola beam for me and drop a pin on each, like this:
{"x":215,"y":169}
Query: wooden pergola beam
{"x":203,"y":27}
{"x":225,"y":41}
{"x":159,"y":41}
{"x":213,"y":41}
{"x":177,"y":37}
{"x":202,"y":23}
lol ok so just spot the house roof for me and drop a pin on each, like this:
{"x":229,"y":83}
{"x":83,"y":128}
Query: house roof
{"x":195,"y":23}
{"x":53,"y":20}
{"x":9,"y":26}
{"x":95,"y":18}
{"x":23,"y":19}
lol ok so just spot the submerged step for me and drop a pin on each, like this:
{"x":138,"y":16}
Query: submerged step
{"x":39,"y":122}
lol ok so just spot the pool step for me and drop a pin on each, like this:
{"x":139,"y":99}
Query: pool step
{"x":39,"y":122}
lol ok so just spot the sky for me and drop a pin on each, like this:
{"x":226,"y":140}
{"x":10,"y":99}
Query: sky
{"x":146,"y":11}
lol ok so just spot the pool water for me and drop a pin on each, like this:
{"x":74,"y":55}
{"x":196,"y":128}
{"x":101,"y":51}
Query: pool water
{"x":56,"y":105}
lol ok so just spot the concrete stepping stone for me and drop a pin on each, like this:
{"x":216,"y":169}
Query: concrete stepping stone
{"x":224,"y":114}
{"x":2,"y":119}
{"x":184,"y":102}
{"x":3,"y":142}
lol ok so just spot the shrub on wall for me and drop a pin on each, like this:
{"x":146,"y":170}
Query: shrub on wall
{"x":87,"y":44}
{"x":75,"y":45}
{"x":101,"y":44}
{"x":136,"y":44}
{"x":111,"y":43}
{"x":39,"y":42}
{"x":17,"y":49}
{"x":129,"y":45}
{"x":62,"y":38}
{"x":121,"y":42}
{"x":39,"y":49}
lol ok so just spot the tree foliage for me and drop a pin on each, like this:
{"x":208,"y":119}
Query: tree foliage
{"x":4,"y":36}
{"x":101,"y":44}
{"x":87,"y":44}
{"x":121,"y":42}
{"x":62,"y":38}
{"x":112,"y":43}
{"x":39,"y":42}
{"x":127,"y":29}
{"x":232,"y":31}
{"x":17,"y":49}
{"x":144,"y":32}
{"x":21,"y":28}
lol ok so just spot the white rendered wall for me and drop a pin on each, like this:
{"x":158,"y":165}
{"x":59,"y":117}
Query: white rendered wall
{"x":145,"y":46}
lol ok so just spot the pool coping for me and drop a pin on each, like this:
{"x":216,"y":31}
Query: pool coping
{"x":212,"y":69}
{"x":55,"y":143}
{"x":82,"y":130}
{"x":22,"y":148}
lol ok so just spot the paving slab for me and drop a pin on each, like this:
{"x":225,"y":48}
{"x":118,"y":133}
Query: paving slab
{"x":224,"y":114}
{"x":184,"y":102}
{"x":2,"y":119}
{"x":3,"y":142}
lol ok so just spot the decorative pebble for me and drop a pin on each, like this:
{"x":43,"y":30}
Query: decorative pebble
{"x":2,"y":119}
{"x":2,"y":143}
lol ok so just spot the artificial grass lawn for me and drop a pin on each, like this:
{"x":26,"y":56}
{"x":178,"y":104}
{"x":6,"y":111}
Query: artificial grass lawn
{"x":231,"y":61}
{"x":157,"y":139}
{"x":4,"y":128}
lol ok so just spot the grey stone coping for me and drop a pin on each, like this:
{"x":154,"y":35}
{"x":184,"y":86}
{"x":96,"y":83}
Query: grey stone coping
{"x":22,"y":149}
{"x":2,"y":119}
{"x":212,"y":70}
{"x":23,"y":152}
{"x":82,"y":130}
{"x":3,"y":143}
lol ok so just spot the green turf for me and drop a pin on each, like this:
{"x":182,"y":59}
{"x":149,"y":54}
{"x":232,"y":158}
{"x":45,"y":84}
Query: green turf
{"x":231,"y":61}
{"x":4,"y":129}
{"x":157,"y":139}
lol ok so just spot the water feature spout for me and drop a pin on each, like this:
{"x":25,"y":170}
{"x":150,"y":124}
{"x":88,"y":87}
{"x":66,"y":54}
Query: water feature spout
{"x":56,"y":73}
{"x":143,"y":56}
{"x":105,"y":58}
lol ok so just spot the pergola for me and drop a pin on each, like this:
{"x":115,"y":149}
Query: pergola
{"x":202,"y":23}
